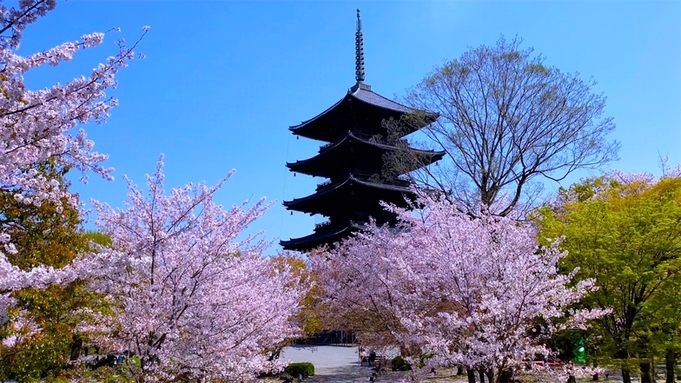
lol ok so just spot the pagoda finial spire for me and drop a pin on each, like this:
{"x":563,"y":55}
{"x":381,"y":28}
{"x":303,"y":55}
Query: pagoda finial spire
{"x":359,"y":51}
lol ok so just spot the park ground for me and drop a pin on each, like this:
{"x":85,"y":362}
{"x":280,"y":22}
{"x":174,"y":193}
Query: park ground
{"x":340,"y":364}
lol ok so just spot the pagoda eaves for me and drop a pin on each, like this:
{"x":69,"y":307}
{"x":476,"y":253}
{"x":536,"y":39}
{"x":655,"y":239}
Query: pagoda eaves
{"x":352,"y":150}
{"x":363,"y":194}
{"x":321,"y":236}
{"x":364,"y":111}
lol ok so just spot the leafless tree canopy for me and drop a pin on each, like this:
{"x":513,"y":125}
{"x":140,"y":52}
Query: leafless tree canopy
{"x":506,"y":120}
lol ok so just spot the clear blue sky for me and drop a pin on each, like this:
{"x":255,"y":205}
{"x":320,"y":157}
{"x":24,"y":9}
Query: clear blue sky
{"x":223,"y":80}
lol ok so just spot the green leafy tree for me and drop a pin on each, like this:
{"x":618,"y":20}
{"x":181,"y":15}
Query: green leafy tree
{"x":625,"y":232}
{"x":40,"y":337}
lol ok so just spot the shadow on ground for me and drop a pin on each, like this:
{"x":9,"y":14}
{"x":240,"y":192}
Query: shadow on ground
{"x":352,"y":373}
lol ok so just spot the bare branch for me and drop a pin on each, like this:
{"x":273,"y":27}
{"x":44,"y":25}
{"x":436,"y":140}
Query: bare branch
{"x":506,"y":120}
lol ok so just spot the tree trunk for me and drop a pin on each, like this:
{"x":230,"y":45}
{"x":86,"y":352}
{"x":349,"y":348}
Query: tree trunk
{"x":595,"y":377}
{"x":623,"y":354}
{"x":471,"y":375}
{"x":669,"y":364}
{"x":482,"y":376}
{"x":490,"y":376}
{"x":626,"y":375}
{"x":505,"y":377}
{"x":646,"y":376}
{"x":76,"y":348}
{"x":459,"y":370}
{"x":571,"y":379}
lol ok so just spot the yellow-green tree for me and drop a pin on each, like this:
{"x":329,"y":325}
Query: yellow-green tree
{"x":45,"y":234}
{"x":625,"y":232}
{"x":309,"y":317}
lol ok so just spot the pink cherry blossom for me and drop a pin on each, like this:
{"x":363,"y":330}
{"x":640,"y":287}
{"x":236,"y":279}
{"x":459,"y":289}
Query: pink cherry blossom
{"x":193,"y":296}
{"x":38,"y":125}
{"x":477,"y":292}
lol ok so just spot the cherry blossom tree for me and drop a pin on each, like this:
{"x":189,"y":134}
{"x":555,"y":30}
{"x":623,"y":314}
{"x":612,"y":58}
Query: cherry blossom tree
{"x":195,"y":300}
{"x":38,"y":125}
{"x":478,"y":292}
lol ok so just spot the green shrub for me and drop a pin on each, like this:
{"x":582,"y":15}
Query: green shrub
{"x":422,"y":362}
{"x":303,"y":369}
{"x":399,"y":364}
{"x":102,"y":374}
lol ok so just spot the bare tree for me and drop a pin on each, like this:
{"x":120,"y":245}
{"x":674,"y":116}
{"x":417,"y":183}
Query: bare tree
{"x":507,"y":121}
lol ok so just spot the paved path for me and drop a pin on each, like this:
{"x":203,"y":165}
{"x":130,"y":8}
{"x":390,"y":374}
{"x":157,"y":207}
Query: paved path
{"x":323,"y":357}
{"x":332,"y":363}
{"x":339,"y":364}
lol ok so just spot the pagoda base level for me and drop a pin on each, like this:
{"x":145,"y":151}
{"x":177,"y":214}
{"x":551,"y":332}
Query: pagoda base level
{"x":328,"y":236}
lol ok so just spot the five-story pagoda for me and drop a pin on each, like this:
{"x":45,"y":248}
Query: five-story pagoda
{"x":353,"y":160}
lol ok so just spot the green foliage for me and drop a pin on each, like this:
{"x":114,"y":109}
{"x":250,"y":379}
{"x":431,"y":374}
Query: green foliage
{"x":98,"y":238}
{"x":304,"y":369}
{"x":102,"y":374}
{"x":626,"y":235}
{"x":51,"y":235}
{"x":399,"y":364}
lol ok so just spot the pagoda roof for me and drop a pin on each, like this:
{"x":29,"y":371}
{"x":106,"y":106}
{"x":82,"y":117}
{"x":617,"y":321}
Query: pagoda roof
{"x":335,"y":152}
{"x":327,"y":199}
{"x":341,"y":116}
{"x":367,"y":95}
{"x":322,"y":237}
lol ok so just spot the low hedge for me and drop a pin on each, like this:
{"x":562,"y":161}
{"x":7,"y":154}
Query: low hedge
{"x":304,"y":369}
{"x":399,"y":364}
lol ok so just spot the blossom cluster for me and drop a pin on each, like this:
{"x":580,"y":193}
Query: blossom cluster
{"x":472,"y":291}
{"x":192,"y":298}
{"x":38,"y":126}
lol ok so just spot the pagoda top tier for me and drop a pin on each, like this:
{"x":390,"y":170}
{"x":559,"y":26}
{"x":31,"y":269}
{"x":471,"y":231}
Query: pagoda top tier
{"x":361,"y":111}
